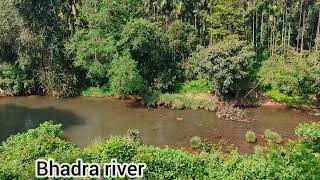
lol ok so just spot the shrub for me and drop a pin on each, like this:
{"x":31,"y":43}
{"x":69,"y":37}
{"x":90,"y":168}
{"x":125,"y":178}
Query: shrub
{"x":119,"y":148}
{"x":196,"y":86}
{"x":19,"y":152}
{"x":178,"y":101}
{"x":251,"y":136}
{"x":170,"y":164}
{"x":97,"y":91}
{"x":310,"y":132}
{"x":13,"y":80}
{"x":280,"y":97}
{"x":195,"y":142}
{"x":272,"y":137}
{"x":259,"y":149}
{"x":226,"y":64}
{"x":92,"y":55}
{"x":134,"y":136}
{"x":294,"y":75}
{"x":125,"y":76}
{"x":145,"y":42}
{"x":58,"y":81}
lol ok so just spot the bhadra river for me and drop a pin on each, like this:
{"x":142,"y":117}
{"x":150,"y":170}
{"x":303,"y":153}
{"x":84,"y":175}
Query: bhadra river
{"x":85,"y":119}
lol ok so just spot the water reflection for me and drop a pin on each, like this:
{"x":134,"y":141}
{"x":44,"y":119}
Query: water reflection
{"x":15,"y":118}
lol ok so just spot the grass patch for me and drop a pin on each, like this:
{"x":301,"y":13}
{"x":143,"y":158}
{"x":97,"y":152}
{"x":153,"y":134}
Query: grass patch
{"x":295,"y":100}
{"x":97,"y":92}
{"x":251,"y":137}
{"x":195,"y":142}
{"x":180,"y":101}
{"x":196,"y":86}
{"x":272,"y":137}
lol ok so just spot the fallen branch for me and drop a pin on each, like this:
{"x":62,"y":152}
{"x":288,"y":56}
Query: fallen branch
{"x":253,"y":88}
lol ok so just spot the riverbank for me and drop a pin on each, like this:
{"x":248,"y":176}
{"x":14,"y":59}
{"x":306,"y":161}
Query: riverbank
{"x":177,"y":101}
{"x":303,"y":104}
{"x":206,"y":101}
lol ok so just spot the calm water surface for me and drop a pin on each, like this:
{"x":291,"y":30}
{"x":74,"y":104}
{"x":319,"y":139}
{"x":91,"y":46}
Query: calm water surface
{"x":85,"y":119}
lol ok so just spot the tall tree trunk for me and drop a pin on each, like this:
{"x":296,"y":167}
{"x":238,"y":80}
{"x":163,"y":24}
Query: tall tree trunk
{"x":167,"y":20}
{"x":253,"y":25}
{"x":303,"y":31}
{"x":318,"y":33}
{"x":289,"y":35}
{"x":74,"y":13}
{"x":299,"y":29}
{"x":195,"y":22}
{"x":256,"y":37}
{"x":261,"y":29}
{"x":283,"y":27}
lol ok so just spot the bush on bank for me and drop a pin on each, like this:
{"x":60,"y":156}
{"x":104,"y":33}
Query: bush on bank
{"x":178,"y":101}
{"x":292,"y":161}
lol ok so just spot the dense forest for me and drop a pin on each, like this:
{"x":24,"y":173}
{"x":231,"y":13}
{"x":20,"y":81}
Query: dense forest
{"x":130,"y":47}
{"x":160,"y":51}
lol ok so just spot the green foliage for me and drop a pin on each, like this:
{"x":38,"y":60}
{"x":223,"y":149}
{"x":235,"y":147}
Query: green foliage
{"x":170,"y":164}
{"x":125,"y":76}
{"x":272,"y":137}
{"x":310,"y":132}
{"x":179,"y":101}
{"x":19,"y":152}
{"x":134,"y":136}
{"x":119,"y":148}
{"x":196,"y":86}
{"x":94,"y":50}
{"x":280,"y":97}
{"x":226,"y":19}
{"x":31,"y":43}
{"x":182,"y":39}
{"x":13,"y":80}
{"x":291,"y":161}
{"x":109,"y":16}
{"x":294,"y":76}
{"x":251,"y":136}
{"x":58,"y":81}
{"x":62,"y":47}
{"x":195,"y":142}
{"x":144,"y":40}
{"x":97,"y":92}
{"x":226,"y":65}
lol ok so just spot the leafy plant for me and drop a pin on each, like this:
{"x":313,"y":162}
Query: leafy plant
{"x":195,"y":142}
{"x":97,"y":91}
{"x":196,"y":86}
{"x":227,"y":65}
{"x":310,"y":133}
{"x":251,"y":136}
{"x":272,"y":136}
{"x":179,"y":101}
{"x":125,"y":76}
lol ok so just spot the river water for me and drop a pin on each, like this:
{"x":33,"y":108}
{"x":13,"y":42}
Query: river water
{"x":85,"y":119}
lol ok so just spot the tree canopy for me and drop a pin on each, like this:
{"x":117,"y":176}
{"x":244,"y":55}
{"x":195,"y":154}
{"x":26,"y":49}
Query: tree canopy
{"x":79,"y":40}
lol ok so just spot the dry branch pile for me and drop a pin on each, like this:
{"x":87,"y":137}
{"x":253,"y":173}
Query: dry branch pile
{"x":228,"y":111}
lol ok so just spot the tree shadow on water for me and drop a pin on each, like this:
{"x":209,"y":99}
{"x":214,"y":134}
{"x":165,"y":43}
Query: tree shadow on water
{"x":15,"y":119}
